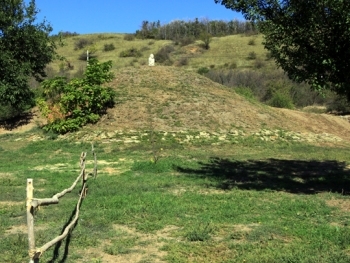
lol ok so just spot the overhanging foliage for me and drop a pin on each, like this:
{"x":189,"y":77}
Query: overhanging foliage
{"x":309,"y":40}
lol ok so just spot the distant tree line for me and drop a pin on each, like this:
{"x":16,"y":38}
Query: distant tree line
{"x":178,"y":29}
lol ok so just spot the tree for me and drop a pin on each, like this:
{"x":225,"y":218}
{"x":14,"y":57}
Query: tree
{"x":309,"y":40}
{"x":206,"y":38}
{"x":25,"y":50}
{"x":69,"y":105}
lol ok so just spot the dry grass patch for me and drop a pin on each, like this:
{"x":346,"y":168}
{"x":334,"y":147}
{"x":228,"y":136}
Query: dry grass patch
{"x":6,"y":204}
{"x":147,"y":247}
{"x":342,"y":204}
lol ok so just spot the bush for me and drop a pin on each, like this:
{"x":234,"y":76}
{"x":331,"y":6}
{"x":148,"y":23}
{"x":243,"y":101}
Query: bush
{"x":251,"y":42}
{"x":339,"y":105}
{"x":280,"y":100}
{"x":69,"y":105}
{"x":82,"y":43}
{"x":203,"y":70}
{"x":7,"y":112}
{"x":265,"y":84}
{"x":131,"y":52}
{"x":129,"y":37}
{"x":251,"y":55}
{"x":245,"y":92}
{"x":163,"y":54}
{"x":206,"y":38}
{"x":109,"y":47}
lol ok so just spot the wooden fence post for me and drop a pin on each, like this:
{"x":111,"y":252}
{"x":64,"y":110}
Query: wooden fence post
{"x":95,"y":160}
{"x":30,"y":220}
{"x":33,"y":203}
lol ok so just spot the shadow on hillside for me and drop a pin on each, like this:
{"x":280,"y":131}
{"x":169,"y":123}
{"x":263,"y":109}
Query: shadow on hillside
{"x":17,"y":121}
{"x":294,"y":176}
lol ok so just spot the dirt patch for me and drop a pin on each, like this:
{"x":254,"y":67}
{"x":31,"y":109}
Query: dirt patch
{"x":22,"y":229}
{"x":6,"y":175}
{"x":245,"y":228}
{"x":342,"y":204}
{"x":4,"y":204}
{"x":147,"y":248}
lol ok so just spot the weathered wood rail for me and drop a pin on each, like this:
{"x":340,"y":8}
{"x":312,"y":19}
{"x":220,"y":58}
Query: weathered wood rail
{"x":33,"y":203}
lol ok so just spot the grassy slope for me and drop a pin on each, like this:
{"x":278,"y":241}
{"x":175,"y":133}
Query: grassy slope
{"x":222,"y":50}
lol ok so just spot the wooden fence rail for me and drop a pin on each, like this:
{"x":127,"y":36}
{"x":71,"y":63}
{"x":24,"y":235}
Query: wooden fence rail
{"x":33,"y":203}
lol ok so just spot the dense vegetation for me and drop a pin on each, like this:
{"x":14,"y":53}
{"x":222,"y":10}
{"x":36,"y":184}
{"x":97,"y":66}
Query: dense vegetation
{"x":309,"y":40}
{"x":25,"y":50}
{"x":70,"y":104}
{"x":180,"y":29}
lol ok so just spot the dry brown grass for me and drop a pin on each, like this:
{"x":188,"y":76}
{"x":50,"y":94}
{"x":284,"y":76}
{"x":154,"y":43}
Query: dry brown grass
{"x":176,"y":99}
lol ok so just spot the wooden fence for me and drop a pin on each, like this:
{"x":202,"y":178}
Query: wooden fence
{"x":33,"y":203}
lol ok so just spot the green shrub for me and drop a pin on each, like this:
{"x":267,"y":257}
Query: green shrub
{"x":131,"y":52}
{"x":251,"y":55}
{"x":199,"y":233}
{"x":203,"y":70}
{"x":7,"y":112}
{"x":69,"y":105}
{"x":109,"y":47}
{"x":251,"y":42}
{"x":163,"y":54}
{"x":206,"y":38}
{"x":280,"y":100}
{"x":245,"y":92}
{"x":339,"y":105}
{"x":82,"y":43}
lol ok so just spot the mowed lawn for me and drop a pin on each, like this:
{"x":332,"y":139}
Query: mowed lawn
{"x":251,"y":201}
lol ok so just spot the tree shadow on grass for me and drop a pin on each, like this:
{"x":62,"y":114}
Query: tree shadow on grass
{"x":17,"y":121}
{"x":294,"y":176}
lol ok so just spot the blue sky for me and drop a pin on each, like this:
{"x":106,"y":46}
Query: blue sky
{"x":125,"y":16}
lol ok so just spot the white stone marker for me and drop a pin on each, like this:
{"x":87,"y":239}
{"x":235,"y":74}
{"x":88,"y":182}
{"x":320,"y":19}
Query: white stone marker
{"x":151,"y":60}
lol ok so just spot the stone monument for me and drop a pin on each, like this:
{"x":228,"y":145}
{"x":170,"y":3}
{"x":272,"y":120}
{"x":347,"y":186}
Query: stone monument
{"x":151,"y":60}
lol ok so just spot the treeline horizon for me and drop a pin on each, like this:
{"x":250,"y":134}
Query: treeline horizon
{"x":178,"y":29}
{"x":194,"y":28}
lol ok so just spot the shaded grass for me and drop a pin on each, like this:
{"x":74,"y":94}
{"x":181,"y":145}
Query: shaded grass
{"x":229,"y":203}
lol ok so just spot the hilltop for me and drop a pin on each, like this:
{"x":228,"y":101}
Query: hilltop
{"x":173,"y":99}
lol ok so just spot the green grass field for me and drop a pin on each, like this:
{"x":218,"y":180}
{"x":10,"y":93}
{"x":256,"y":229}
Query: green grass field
{"x":251,"y":201}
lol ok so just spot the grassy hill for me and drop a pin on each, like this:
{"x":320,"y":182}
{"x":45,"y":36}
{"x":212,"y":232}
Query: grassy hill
{"x":176,"y":97}
{"x":223,"y":51}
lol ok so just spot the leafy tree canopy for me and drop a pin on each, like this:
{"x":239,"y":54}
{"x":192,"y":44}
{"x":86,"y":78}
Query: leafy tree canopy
{"x":25,"y":50}
{"x":69,"y":105}
{"x":310,"y":40}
